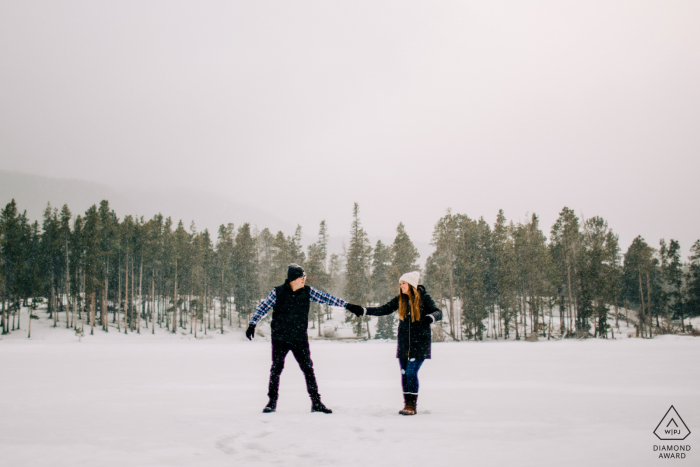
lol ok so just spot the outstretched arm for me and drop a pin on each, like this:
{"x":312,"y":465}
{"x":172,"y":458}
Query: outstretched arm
{"x":386,"y":309}
{"x":264,"y":307}
{"x":260,"y":312}
{"x":325,"y":298}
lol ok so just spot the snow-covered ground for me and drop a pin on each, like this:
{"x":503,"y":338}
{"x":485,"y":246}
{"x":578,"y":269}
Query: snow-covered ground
{"x":171,"y":400}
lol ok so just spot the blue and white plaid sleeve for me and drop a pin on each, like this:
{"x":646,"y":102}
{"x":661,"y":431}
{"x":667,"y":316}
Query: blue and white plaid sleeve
{"x":326,"y":299}
{"x":265,"y":306}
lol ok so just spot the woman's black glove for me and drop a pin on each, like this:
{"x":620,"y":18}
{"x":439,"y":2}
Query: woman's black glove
{"x":427,"y":319}
{"x":357,"y":310}
{"x":250,"y":332}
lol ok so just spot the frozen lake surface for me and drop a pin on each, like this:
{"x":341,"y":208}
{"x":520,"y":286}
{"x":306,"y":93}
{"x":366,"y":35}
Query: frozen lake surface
{"x":171,"y":400}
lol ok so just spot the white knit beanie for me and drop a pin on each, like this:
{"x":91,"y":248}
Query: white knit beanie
{"x":411,"y":277}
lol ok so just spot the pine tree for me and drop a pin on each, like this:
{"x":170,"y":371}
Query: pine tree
{"x":565,"y":246}
{"x":692,"y":281}
{"x":224,"y":251}
{"x":15,"y":234}
{"x":404,"y":254}
{"x":505,"y":272}
{"x":245,"y":280}
{"x":639,"y":264}
{"x":471,"y":273}
{"x":281,"y":257}
{"x":443,"y":263}
{"x":296,"y":252}
{"x":92,"y":263}
{"x":672,"y":279}
{"x":264,"y":242}
{"x":596,"y":274}
{"x":383,"y":288}
{"x":357,"y":288}
{"x":316,"y":272}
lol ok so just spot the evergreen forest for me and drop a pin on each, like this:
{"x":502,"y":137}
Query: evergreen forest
{"x":98,"y":272}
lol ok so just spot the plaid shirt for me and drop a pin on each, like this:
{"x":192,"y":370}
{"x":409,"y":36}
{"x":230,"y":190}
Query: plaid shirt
{"x":316,"y":296}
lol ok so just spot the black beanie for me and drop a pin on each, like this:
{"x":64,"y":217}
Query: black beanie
{"x":294,"y":272}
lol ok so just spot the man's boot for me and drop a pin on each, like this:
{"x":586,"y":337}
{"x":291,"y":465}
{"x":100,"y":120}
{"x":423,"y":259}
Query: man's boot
{"x":317,"y":406}
{"x":271,"y":406}
{"x":410,"y":404}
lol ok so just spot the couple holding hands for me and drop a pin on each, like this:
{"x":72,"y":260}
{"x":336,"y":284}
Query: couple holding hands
{"x":290,"y":303}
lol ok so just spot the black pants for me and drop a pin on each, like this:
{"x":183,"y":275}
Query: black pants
{"x":302,"y":354}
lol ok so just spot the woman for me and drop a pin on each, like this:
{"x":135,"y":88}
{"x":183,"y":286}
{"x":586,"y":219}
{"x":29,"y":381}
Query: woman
{"x":417,"y":312}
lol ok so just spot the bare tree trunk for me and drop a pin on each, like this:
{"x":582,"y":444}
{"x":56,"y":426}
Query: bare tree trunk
{"x":175,"y":307}
{"x":92,"y":313}
{"x":143,"y":309}
{"x":126,"y":293}
{"x":452,"y":300}
{"x":222,"y":305}
{"x":119,"y":294}
{"x":73,"y":320}
{"x":153,"y":301}
{"x":649,"y":304}
{"x":52,"y":299}
{"x":29,"y":326}
{"x":134,"y":310}
{"x":105,"y":306}
{"x":642,"y":318}
{"x":571,"y":298}
{"x":67,"y":289}
{"x":4,"y":316}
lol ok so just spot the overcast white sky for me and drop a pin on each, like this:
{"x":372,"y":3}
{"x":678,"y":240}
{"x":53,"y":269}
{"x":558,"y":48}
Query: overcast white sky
{"x":409,"y":108}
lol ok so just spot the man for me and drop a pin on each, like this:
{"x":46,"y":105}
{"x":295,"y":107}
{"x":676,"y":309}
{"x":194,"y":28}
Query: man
{"x":290,"y":304}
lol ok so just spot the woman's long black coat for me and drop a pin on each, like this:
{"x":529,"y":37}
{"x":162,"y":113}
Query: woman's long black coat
{"x":414,"y":337}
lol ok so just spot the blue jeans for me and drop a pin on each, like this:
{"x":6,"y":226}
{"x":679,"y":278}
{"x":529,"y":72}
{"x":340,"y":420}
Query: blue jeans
{"x":409,"y":374}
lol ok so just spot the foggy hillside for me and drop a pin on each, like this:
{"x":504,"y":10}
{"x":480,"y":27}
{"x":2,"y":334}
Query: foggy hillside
{"x":207,"y":210}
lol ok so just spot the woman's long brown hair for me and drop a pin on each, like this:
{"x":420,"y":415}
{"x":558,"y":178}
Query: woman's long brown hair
{"x":412,"y":300}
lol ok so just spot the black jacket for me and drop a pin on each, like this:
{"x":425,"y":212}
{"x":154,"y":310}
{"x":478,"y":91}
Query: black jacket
{"x":290,"y":314}
{"x":414,"y":337}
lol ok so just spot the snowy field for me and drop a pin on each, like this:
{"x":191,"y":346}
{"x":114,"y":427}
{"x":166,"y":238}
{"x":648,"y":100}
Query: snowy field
{"x":172,"y":400}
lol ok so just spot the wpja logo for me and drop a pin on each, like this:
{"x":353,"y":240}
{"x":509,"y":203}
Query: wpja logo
{"x":672,"y":428}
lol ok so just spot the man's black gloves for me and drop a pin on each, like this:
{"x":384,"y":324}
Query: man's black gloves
{"x":427,"y":319}
{"x":357,"y":310}
{"x":250,"y":332}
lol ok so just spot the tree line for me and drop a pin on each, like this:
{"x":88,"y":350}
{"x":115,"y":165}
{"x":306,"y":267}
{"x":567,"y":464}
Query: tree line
{"x":508,"y":279}
{"x":505,"y":281}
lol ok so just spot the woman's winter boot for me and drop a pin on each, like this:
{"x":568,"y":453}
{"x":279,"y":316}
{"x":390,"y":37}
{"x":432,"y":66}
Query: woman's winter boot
{"x":411,"y":403}
{"x":405,"y":404}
